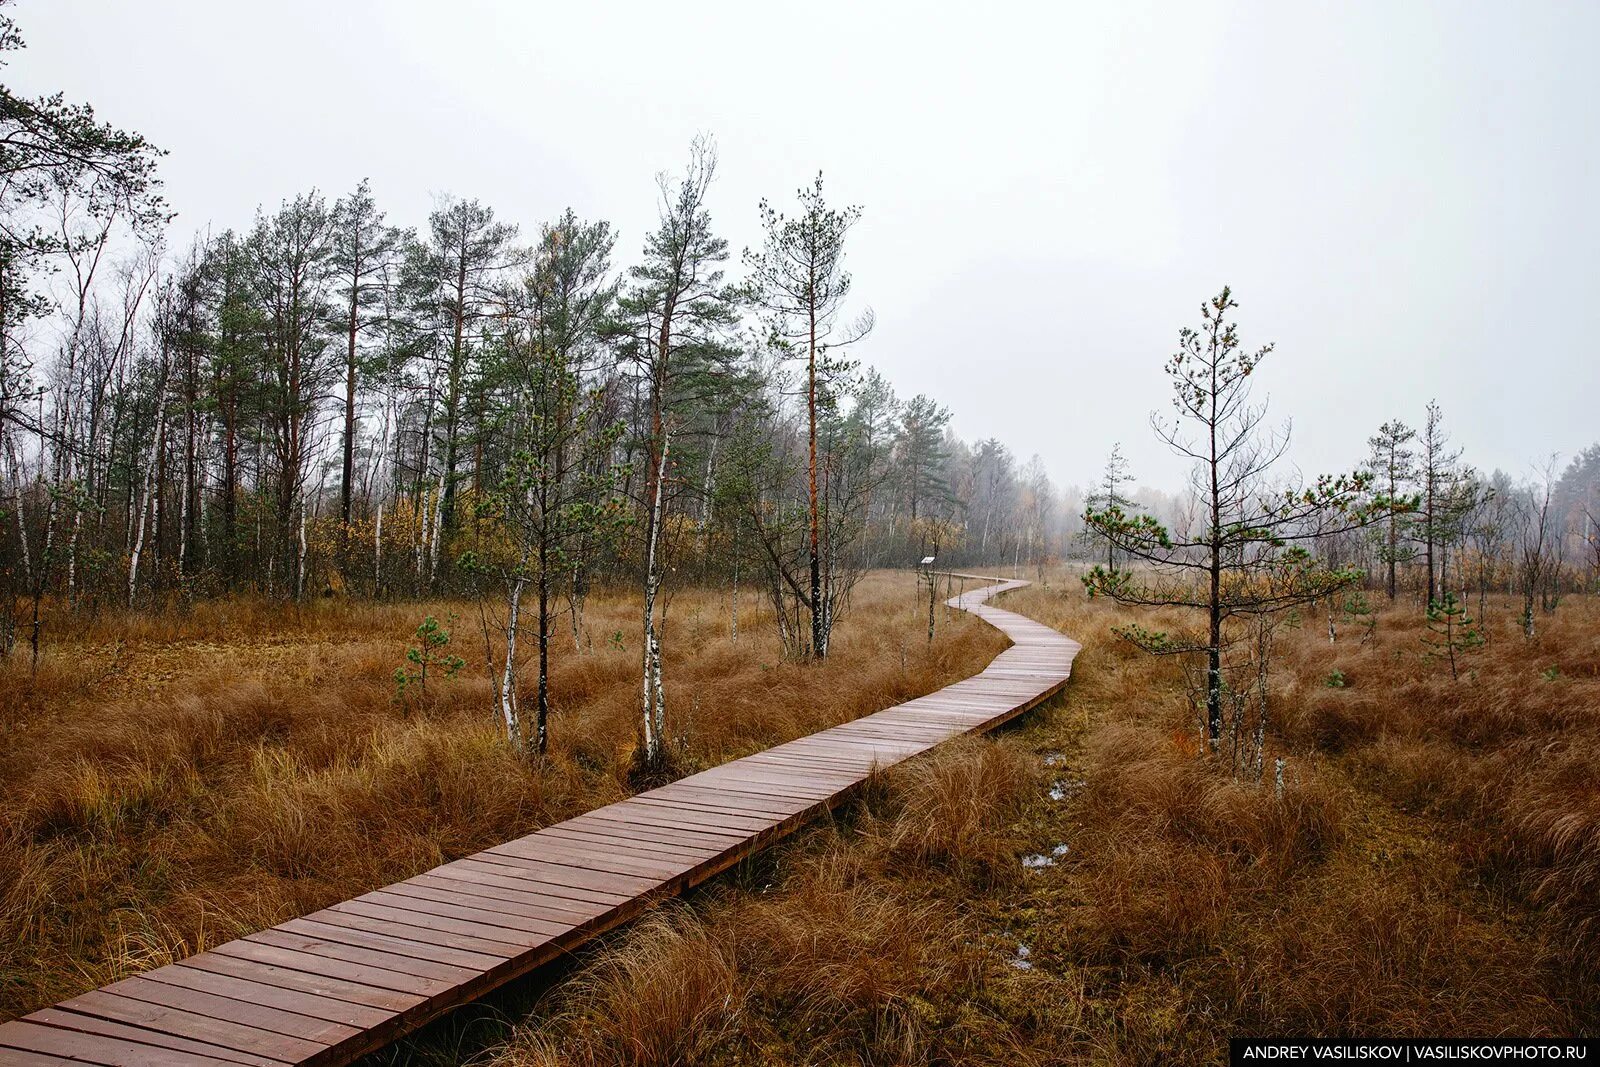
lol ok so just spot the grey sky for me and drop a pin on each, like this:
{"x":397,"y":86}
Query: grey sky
{"x":1401,"y":195}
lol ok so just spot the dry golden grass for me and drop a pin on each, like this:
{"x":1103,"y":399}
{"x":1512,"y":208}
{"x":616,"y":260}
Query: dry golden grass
{"x":1429,"y":869}
{"x":1501,"y":763}
{"x":168,"y":782}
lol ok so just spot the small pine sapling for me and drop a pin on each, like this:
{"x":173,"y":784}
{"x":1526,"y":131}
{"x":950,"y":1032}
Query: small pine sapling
{"x":1353,"y":609}
{"x":432,"y":650}
{"x":1451,"y":632}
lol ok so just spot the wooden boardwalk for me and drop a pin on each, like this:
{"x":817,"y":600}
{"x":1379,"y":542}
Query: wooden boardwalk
{"x":330,"y":986}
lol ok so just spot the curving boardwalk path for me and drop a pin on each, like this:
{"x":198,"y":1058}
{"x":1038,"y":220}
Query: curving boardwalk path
{"x":330,"y":986}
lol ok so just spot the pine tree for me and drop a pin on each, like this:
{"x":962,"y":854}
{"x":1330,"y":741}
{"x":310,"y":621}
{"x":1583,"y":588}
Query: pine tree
{"x":921,"y":453}
{"x":1108,"y":495}
{"x":1245,"y":561}
{"x":364,"y":260}
{"x":1451,"y":632}
{"x":1392,"y":465}
{"x":799,"y":280}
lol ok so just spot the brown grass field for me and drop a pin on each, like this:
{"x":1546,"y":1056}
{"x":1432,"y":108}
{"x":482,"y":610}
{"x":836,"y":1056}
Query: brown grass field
{"x":169,"y":782}
{"x":1432,"y":868}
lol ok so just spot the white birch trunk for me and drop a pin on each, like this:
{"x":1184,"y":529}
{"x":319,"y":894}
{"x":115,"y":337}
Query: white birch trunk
{"x":509,"y":716}
{"x":654,"y":702}
{"x":438,"y":531}
{"x":300,"y":557}
{"x":377,"y":552}
{"x":183,"y":526}
{"x":149,"y":489}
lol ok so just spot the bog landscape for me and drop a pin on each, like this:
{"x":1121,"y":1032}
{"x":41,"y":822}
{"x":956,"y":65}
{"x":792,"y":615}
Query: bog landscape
{"x":476,"y":630}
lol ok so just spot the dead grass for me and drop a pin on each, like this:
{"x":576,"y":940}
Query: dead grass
{"x":1430,"y":869}
{"x":1501,"y":763}
{"x":168,"y":782}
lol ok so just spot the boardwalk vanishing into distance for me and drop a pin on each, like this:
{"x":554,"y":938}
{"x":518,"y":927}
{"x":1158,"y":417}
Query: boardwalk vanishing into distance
{"x":330,"y":986}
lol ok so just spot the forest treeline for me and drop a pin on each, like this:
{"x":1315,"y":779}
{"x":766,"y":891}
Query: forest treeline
{"x":326,"y":402}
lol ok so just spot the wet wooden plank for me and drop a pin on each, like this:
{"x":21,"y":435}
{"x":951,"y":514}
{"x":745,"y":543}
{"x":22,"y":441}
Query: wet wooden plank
{"x":66,"y":1020}
{"x":308,"y":974}
{"x":79,"y":1046}
{"x":198,"y":1026}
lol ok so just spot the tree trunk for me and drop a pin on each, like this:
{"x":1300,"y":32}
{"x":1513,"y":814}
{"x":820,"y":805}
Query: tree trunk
{"x":543,"y":736}
{"x":819,"y":644}
{"x":508,"y":677}
{"x":349,"y":420}
{"x":149,"y":490}
{"x":654,"y":702}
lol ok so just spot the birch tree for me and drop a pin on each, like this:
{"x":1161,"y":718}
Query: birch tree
{"x":676,"y":310}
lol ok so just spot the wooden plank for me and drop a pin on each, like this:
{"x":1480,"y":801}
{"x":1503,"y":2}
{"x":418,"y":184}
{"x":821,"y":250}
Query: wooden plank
{"x":260,"y":1016}
{"x":353,"y":929}
{"x":631,"y":843}
{"x":755,"y":803}
{"x":16,"y":1057}
{"x":504,"y":905}
{"x":715,"y":807}
{"x":66,"y":1020}
{"x":521,"y":874}
{"x":78,"y":1046}
{"x":201,"y":1027}
{"x":621,"y":887}
{"x":542,"y":846}
{"x":476,"y":883}
{"x":667,"y":827}
{"x":428,"y":929}
{"x":671,"y":807}
{"x":429,"y":976}
{"x":526,"y":928}
{"x":279,"y":968}
{"x":254,"y":990}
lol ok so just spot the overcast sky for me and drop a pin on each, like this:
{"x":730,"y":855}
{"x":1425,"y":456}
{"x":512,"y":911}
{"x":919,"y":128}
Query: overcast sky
{"x":1401,"y":195}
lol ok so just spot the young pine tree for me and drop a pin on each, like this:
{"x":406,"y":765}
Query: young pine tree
{"x":1244,"y":559}
{"x":1392,"y":463}
{"x":799,"y":281}
{"x":1108,"y":495}
{"x":1451,"y":632}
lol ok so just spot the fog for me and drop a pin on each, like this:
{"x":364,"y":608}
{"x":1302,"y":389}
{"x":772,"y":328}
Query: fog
{"x":1400,"y":195}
